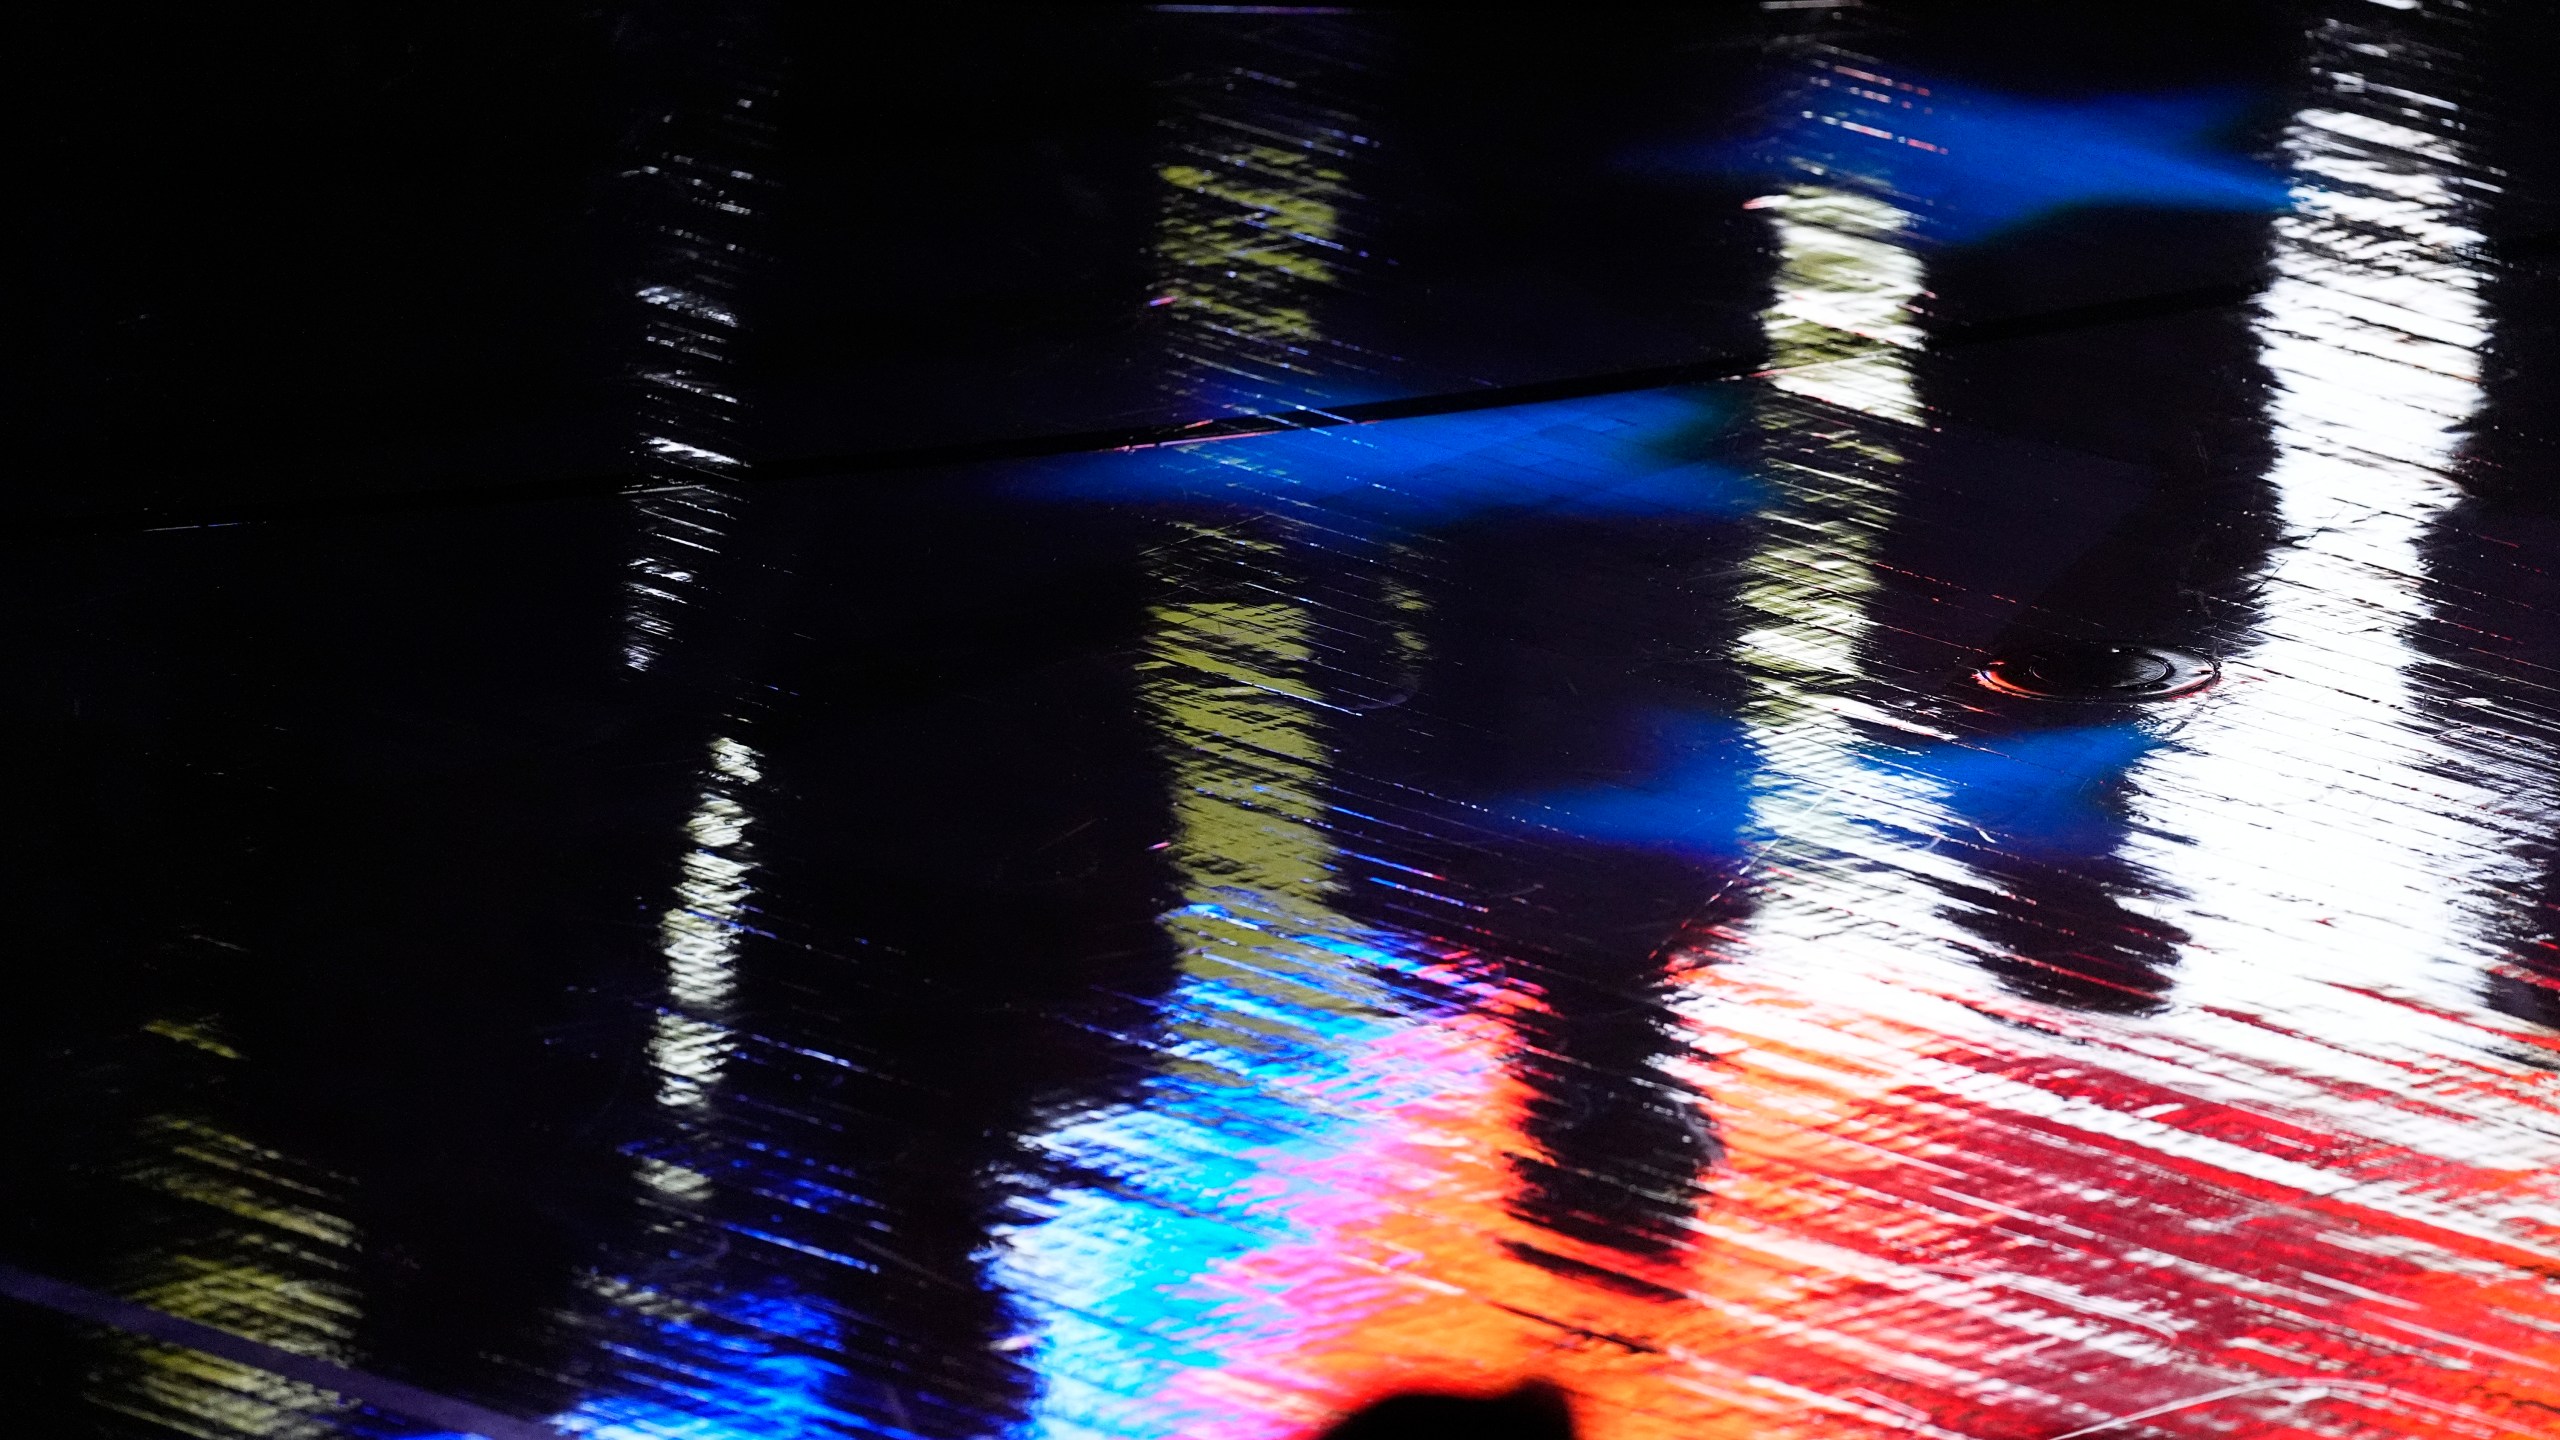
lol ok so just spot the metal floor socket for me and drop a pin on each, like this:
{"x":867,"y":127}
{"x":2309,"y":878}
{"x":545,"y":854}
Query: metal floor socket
{"x":2099,"y":672}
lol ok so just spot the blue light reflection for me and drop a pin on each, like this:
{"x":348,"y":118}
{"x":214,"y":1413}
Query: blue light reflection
{"x":1638,"y":454}
{"x":2044,"y":793}
{"x":745,"y":1368}
{"x":1697,"y":804}
{"x":1976,"y":162}
{"x":2040,"y":792}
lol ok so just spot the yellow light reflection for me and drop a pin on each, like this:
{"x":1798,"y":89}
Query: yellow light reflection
{"x":1247,"y":248}
{"x":271,"y":1267}
{"x":1225,"y":688}
{"x":1245,"y":252}
{"x":1250,"y":237}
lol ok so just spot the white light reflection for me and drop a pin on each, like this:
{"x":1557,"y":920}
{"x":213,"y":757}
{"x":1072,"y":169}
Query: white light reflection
{"x":1840,"y":325}
{"x":1841,"y":331}
{"x":690,"y":1042}
{"x":686,"y":502}
{"x":698,"y":936}
{"x":2319,"y":836}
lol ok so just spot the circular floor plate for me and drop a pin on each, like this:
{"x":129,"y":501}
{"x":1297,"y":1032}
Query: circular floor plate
{"x":2098,"y":672}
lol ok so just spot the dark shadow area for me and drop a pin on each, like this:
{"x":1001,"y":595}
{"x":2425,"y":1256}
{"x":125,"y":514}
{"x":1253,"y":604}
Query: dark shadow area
{"x":1531,"y":1412}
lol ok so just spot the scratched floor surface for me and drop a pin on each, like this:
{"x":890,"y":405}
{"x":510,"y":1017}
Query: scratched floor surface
{"x":1388,"y":792}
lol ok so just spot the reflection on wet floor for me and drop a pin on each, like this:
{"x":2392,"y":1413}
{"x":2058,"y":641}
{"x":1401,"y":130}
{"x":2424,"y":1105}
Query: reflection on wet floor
{"x":1195,"y":939}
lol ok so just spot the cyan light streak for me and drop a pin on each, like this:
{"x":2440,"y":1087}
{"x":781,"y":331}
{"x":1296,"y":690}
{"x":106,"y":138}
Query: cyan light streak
{"x":1234,"y":1149}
